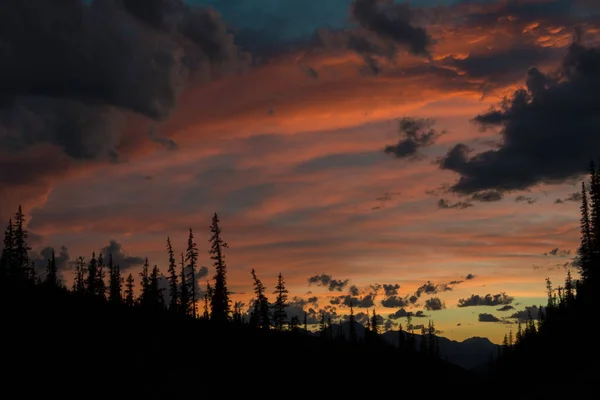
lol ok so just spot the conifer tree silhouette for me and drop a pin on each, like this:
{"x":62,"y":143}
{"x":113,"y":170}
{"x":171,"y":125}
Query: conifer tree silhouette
{"x":20,"y":256}
{"x":51,"y":272}
{"x":305,"y":321}
{"x":423,"y":348}
{"x":115,"y":284}
{"x":92,"y":276}
{"x":207,"y":296}
{"x":100,"y":285}
{"x":352,"y":322}
{"x":401,"y":338}
{"x":155,"y":295}
{"x":79,"y":283}
{"x":260,"y":315}
{"x":173,"y":279}
{"x":374,"y":325}
{"x":220,"y":302}
{"x":191,"y":258}
{"x":145,"y":284}
{"x":184,"y":296}
{"x":7,"y":258}
{"x":129,"y":291}
{"x":279,"y":313}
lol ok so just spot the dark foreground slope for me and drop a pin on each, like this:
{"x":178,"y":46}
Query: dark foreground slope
{"x":561,"y":361}
{"x":55,"y":343}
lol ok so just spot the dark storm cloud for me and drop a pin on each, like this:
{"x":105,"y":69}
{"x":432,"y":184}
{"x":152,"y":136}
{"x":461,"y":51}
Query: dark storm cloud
{"x":549,"y":130}
{"x":558,"y":252}
{"x":327,"y":281}
{"x":119,"y":257}
{"x":390,"y":289}
{"x":525,"y":199}
{"x":505,"y":308}
{"x":485,"y":317}
{"x":504,"y":67}
{"x":487,"y":300}
{"x":391,"y":22}
{"x":61,"y":259}
{"x":487,"y":196}
{"x":169,"y":144}
{"x":575,"y":196}
{"x":365,"y":301}
{"x":429,"y":288}
{"x":86,"y":62}
{"x":434,"y":304}
{"x":529,"y":312}
{"x":415,"y":134}
{"x":402,"y":313}
{"x":394,"y":302}
{"x":461,"y":205}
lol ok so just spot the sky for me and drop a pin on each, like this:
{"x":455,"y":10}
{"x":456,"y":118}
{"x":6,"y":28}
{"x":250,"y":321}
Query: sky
{"x":419,"y":159}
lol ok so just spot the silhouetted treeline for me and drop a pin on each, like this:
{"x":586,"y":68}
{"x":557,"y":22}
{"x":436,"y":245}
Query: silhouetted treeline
{"x":103,"y":326}
{"x":558,"y":347}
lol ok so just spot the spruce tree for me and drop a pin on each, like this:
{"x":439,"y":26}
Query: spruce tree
{"x":51,"y":272}
{"x":184,"y":296}
{"x":207,"y":297}
{"x":173,"y":279}
{"x":432,"y":345}
{"x":401,"y":338}
{"x":423,"y":348}
{"x":220,"y":302}
{"x":279,"y":313}
{"x":7,"y":260}
{"x":92,"y":272}
{"x":352,"y":327}
{"x":191,"y":258}
{"x":145,"y":283}
{"x":156,"y":298}
{"x":115,"y":282}
{"x":323,"y":325}
{"x":305,"y":321}
{"x":260,"y":314}
{"x":79,"y":283}
{"x":569,"y":289}
{"x":20,"y":247}
{"x":100,"y":285}
{"x":585,"y":250}
{"x":129,"y":295}
{"x":374,"y":325}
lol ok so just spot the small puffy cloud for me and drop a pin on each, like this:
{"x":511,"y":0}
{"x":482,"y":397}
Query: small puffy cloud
{"x":525,"y":199}
{"x":506,"y":307}
{"x":487,"y":300}
{"x":326,"y":280}
{"x":528,"y":312}
{"x":485,"y":317}
{"x":414,"y":135}
{"x":119,"y":256}
{"x":391,"y":289}
{"x":576,"y":197}
{"x":558,"y":252}
{"x":394,"y":302}
{"x":461,"y":205}
{"x":434,"y":304}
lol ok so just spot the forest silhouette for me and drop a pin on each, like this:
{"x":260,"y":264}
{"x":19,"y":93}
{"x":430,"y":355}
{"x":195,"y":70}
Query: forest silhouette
{"x":116,"y":336}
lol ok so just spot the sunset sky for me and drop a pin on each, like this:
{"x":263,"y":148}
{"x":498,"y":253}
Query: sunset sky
{"x":341,"y":142}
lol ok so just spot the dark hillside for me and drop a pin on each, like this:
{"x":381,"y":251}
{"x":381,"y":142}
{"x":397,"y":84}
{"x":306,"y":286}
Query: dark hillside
{"x":77,"y":343}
